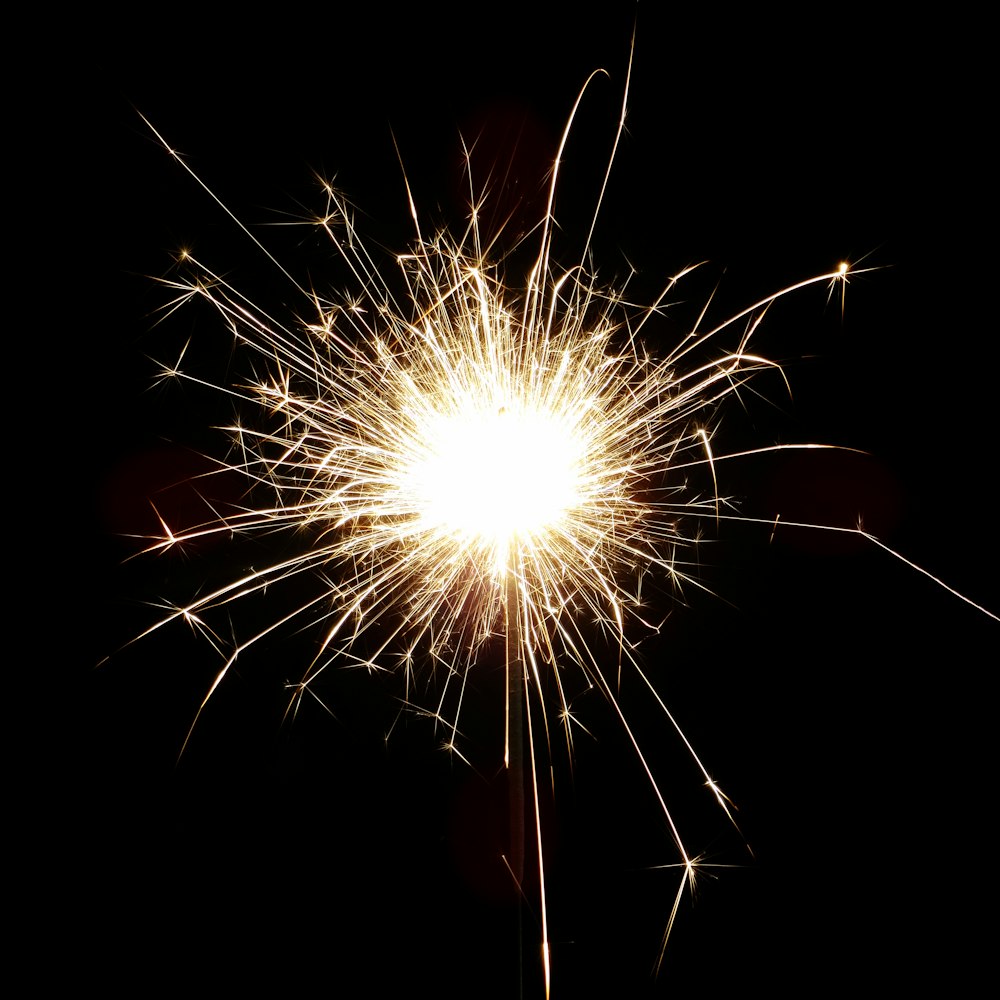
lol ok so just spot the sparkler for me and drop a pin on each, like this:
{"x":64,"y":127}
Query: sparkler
{"x":460,"y":459}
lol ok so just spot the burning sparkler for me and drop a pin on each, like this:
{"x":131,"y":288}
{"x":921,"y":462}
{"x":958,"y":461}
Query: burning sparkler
{"x":460,"y":459}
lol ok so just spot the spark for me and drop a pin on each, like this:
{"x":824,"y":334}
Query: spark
{"x":435,"y":453}
{"x":469,"y":457}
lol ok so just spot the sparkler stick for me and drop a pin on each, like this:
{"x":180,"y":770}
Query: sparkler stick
{"x":514,"y":755}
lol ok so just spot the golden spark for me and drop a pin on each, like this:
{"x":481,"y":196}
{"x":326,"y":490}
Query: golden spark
{"x":457,"y":456}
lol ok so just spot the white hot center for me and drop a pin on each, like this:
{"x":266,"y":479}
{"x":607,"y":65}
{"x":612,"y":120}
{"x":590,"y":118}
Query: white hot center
{"x":491,"y":475}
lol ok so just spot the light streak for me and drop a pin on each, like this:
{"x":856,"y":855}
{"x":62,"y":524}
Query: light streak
{"x":468,"y":452}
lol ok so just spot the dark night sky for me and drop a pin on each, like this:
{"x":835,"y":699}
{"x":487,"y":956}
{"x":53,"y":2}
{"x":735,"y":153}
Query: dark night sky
{"x":836,"y":695}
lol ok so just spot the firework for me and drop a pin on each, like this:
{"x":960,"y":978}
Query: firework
{"x":456,"y":452}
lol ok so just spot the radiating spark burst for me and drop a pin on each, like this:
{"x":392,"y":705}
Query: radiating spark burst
{"x":470,"y":458}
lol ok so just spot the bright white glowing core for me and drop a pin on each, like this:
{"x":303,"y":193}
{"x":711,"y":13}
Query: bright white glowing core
{"x":490,"y":475}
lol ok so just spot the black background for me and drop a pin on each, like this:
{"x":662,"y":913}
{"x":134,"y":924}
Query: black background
{"x":838,"y":696}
